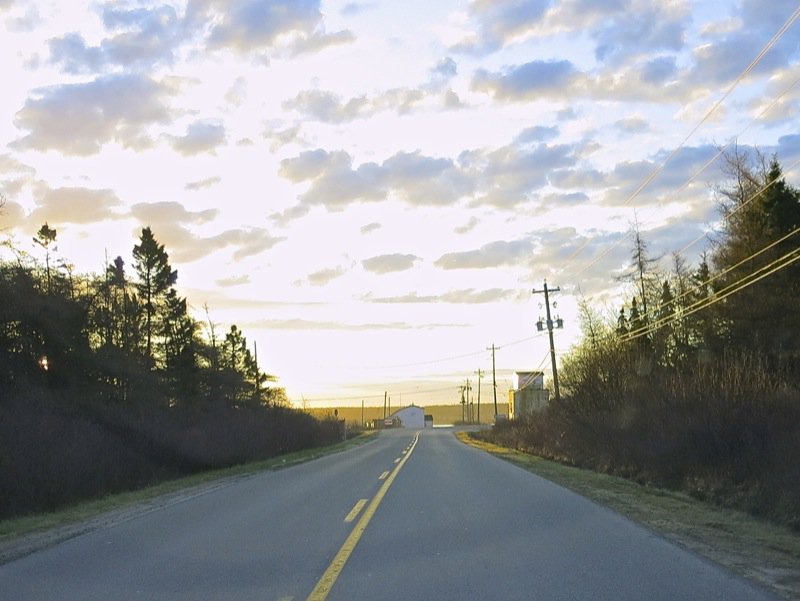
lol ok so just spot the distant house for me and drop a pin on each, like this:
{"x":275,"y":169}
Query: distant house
{"x":410,"y":417}
{"x":528,"y":394}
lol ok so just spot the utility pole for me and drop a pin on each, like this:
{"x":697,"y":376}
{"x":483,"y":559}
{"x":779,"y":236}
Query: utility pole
{"x":362,"y":413}
{"x":480,"y":375}
{"x":384,"y":404}
{"x":559,"y":324}
{"x":494,"y":379}
{"x":461,"y":390}
{"x":467,"y":389}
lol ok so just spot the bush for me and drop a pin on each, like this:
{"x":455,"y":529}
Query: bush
{"x":724,"y":432}
{"x":55,"y":452}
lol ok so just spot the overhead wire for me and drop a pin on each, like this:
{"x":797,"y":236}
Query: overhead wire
{"x":787,"y":24}
{"x":742,"y":283}
{"x":694,"y":176}
{"x":738,"y":207}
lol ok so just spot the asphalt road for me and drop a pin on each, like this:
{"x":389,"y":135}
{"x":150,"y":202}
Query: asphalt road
{"x":438,"y":520}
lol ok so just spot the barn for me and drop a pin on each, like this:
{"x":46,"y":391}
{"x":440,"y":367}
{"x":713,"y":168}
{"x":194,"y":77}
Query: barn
{"x":410,"y":417}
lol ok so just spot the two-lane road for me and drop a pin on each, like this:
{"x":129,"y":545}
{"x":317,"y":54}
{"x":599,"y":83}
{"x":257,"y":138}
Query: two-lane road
{"x":398,"y":518}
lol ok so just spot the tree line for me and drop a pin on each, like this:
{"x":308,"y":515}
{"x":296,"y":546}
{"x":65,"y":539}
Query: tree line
{"x":108,"y":383}
{"x":694,"y":383}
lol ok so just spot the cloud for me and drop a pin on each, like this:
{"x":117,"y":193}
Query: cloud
{"x":370,"y":227}
{"x":24,"y":23}
{"x":305,"y":324}
{"x":247,"y":242}
{"x":327,"y":106}
{"x":335,"y":183}
{"x":167,"y":220}
{"x":156,"y":213}
{"x":494,"y":254}
{"x":291,"y":214}
{"x":468,"y":226}
{"x":632,"y":125}
{"x":12,"y":215}
{"x":537,"y":133}
{"x":143,"y":38}
{"x":444,"y":70}
{"x":357,"y":8}
{"x":79,"y":119}
{"x":499,"y":22}
{"x":641,"y":31}
{"x":659,"y":70}
{"x":529,"y":81}
{"x":203,"y":183}
{"x":258,"y":26}
{"x":283,"y":137}
{"x":200,"y":137}
{"x":423,"y":180}
{"x":510,"y":174}
{"x":465,"y":296}
{"x":318,"y":41}
{"x":237,"y":93}
{"x":389,"y":263}
{"x":504,"y":177}
{"x":232,"y":281}
{"x":74,"y":205}
{"x":325,"y":276}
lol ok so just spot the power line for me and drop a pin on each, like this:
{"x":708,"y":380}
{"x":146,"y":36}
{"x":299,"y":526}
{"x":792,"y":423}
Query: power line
{"x":718,"y":275}
{"x":733,"y":288}
{"x":789,"y":22}
{"x":691,"y":179}
{"x":740,"y":206}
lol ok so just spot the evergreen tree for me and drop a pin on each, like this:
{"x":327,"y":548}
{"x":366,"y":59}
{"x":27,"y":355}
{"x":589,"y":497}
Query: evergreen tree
{"x":759,"y":208}
{"x":46,"y":238}
{"x":156,"y":276}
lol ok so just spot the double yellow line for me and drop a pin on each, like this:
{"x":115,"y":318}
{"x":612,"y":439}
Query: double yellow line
{"x":326,"y":582}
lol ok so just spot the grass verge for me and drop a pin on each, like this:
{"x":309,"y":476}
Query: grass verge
{"x":757,"y":550}
{"x":23,"y":535}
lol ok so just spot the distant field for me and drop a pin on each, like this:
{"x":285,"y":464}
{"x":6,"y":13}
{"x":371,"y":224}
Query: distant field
{"x":442,"y":414}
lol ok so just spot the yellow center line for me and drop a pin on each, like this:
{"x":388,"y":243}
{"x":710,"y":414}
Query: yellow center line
{"x":355,"y":510}
{"x":325,"y":584}
{"x":383,"y":476}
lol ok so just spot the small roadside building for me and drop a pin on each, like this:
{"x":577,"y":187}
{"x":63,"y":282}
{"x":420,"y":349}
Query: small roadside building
{"x":528,"y":394}
{"x":410,"y":417}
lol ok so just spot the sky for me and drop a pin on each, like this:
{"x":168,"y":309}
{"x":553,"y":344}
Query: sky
{"x":372,"y":191}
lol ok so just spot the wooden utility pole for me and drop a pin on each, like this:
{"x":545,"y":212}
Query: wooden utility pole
{"x":480,"y":375}
{"x":494,"y":379}
{"x":550,"y":333}
{"x":384,"y":404}
{"x":467,"y":389}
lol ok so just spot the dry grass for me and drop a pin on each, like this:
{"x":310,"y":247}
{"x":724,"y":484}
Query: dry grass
{"x":758,"y":550}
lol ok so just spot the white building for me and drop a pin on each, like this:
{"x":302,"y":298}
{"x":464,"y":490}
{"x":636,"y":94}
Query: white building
{"x":410,"y":417}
